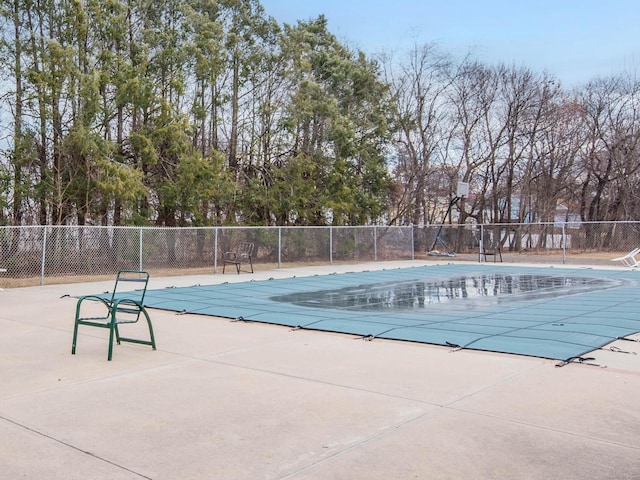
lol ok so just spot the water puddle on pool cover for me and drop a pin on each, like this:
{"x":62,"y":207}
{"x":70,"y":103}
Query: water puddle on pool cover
{"x":461,"y":291}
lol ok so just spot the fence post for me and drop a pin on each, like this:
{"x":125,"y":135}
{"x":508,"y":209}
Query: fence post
{"x":375,"y":243}
{"x":44,"y":254}
{"x":215,"y":249}
{"x":564,"y":243}
{"x":140,"y":250}
{"x":279,"y":247}
{"x":413,"y":242}
{"x":330,"y":245}
{"x":481,"y":243}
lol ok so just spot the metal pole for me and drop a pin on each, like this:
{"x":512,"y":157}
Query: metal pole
{"x":564,"y":244}
{"x":279,"y":247}
{"x":375,"y":244}
{"x":44,"y":254}
{"x":215,"y":250}
{"x":413,"y":242}
{"x":330,"y":245}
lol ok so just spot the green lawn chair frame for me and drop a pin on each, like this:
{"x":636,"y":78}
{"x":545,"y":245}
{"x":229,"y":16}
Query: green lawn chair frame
{"x":121,"y":308}
{"x":242,"y":254}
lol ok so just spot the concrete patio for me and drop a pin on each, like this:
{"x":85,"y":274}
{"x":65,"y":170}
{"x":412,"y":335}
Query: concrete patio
{"x":234,"y":400}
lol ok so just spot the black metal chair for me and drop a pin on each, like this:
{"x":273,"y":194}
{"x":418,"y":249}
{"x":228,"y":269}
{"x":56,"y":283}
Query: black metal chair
{"x":242,"y":254}
{"x":490,"y":249}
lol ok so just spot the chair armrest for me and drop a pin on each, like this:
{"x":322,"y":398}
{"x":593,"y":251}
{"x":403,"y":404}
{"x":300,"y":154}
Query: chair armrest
{"x":127,"y":301}
{"x":121,"y":305}
{"x":96,"y":298}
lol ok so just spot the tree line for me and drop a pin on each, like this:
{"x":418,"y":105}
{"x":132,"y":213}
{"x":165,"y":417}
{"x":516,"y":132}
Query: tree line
{"x":209,"y":112}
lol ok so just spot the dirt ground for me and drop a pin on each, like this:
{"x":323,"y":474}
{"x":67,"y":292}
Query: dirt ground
{"x":600,"y":258}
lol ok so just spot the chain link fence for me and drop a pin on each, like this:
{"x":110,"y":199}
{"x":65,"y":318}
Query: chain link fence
{"x":41,"y":255}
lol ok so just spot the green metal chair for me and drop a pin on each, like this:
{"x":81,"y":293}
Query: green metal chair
{"x":122,"y":307}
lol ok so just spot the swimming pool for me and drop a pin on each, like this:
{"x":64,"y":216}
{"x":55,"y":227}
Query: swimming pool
{"x":538,"y":311}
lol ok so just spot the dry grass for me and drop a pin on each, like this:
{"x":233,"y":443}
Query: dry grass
{"x":595,"y":258}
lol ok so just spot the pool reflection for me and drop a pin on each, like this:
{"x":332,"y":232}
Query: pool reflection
{"x":462,"y":291}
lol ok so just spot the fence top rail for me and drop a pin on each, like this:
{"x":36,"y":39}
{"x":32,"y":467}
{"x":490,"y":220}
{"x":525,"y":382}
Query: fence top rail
{"x":215,"y":227}
{"x":334,"y":227}
{"x":536,"y":224}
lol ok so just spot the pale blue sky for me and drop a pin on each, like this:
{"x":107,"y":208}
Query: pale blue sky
{"x":575,"y":40}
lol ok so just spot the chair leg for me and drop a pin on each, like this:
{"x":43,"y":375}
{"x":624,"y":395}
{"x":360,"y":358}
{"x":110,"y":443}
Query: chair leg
{"x":75,"y":328}
{"x":112,"y":330}
{"x":75,"y":338}
{"x":151,"y":336}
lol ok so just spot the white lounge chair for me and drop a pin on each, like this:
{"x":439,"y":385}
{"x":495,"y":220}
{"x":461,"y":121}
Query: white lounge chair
{"x":629,"y":259}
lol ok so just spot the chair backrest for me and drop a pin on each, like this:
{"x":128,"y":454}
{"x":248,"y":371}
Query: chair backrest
{"x":244,"y":249}
{"x":491,"y":242}
{"x":126,"y":279}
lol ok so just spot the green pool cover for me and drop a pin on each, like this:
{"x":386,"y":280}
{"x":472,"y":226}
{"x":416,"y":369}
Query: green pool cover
{"x":556,"y":313}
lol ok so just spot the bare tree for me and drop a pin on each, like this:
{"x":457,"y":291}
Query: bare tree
{"x":422,"y":130}
{"x":611,"y":158}
{"x":477,"y":136}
